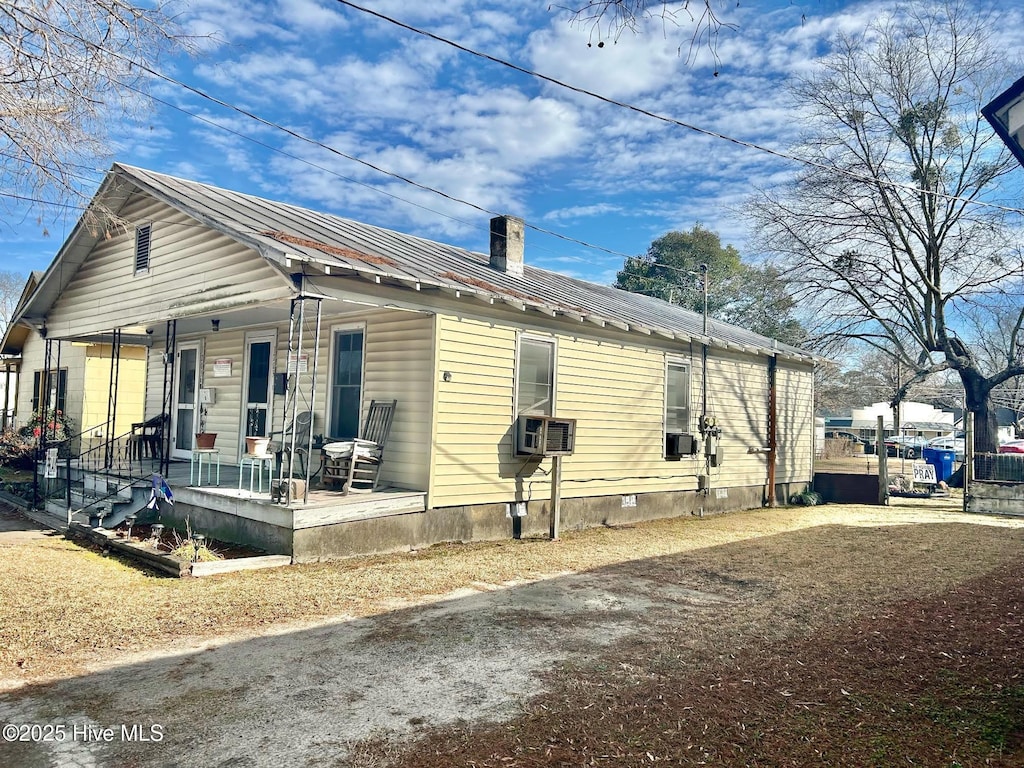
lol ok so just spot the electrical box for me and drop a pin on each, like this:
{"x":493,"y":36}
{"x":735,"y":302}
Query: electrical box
{"x":515,"y":509}
{"x":716,"y":457}
{"x":207,"y":396}
{"x":280,"y":383}
{"x":679,"y":444}
{"x":545,"y":436}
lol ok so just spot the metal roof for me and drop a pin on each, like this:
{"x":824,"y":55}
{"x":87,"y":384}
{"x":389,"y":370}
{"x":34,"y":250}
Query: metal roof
{"x":282,"y":232}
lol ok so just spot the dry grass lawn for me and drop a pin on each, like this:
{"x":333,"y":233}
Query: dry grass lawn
{"x":64,"y":607}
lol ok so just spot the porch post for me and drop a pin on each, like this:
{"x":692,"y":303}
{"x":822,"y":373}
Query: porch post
{"x":301,"y":303}
{"x":115,"y":370}
{"x":170,"y":345}
{"x":5,"y":418}
{"x":312,"y":398}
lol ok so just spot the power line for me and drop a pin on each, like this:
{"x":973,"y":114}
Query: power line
{"x":291,"y":156}
{"x":670,"y":120}
{"x":334,"y":173}
{"x":295,"y":134}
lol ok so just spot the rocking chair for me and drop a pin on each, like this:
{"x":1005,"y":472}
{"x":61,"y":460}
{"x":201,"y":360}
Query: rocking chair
{"x":357,"y":463}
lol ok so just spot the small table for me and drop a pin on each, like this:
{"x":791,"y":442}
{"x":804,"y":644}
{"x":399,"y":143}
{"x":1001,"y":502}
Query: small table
{"x":196,"y":461}
{"x":256,"y":465}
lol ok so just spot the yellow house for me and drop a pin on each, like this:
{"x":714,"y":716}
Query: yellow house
{"x":256,"y":311}
{"x":74,"y":378}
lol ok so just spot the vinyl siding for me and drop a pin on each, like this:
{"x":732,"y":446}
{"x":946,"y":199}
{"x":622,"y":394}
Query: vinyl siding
{"x":738,"y":398}
{"x":72,"y":357}
{"x":131,"y":384}
{"x":796,"y":423}
{"x":154,"y":381}
{"x":615,"y":391}
{"x":398,"y":364}
{"x":192,"y":270}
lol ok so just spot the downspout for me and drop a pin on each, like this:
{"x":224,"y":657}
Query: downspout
{"x":773,"y":406}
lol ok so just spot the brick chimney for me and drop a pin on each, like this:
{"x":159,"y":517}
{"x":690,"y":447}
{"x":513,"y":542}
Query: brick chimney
{"x":507,"y":234}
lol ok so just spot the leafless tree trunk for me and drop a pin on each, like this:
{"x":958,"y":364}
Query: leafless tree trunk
{"x":67,"y":72}
{"x":11,"y":284}
{"x":882,"y":233}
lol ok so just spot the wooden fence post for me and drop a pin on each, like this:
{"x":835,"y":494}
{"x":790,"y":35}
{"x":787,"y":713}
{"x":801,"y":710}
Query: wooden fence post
{"x":883,"y":462}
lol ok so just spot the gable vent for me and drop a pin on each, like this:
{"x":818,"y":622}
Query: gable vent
{"x":143,"y":236}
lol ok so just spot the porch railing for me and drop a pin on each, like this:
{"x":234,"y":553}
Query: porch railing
{"x":102,"y":470}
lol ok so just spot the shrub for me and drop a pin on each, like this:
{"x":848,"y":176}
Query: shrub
{"x":806,"y":499}
{"x":59,"y":431}
{"x":17,"y":450}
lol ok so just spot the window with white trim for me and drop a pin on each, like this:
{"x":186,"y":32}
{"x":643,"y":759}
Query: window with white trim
{"x":535,"y":377}
{"x":677,"y":396}
{"x":143,"y":242}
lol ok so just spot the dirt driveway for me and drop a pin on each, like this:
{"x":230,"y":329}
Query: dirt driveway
{"x":319,"y":694}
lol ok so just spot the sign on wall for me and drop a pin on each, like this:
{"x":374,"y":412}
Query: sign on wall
{"x":222,"y":367}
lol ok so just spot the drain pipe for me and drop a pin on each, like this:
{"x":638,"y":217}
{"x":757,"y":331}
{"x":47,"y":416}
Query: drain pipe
{"x":773,"y":413}
{"x":556,"y":497}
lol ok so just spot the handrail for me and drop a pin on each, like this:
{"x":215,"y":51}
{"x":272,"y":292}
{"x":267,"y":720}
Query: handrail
{"x":114,"y":456}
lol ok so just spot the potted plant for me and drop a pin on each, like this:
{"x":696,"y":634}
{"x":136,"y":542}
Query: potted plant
{"x":256,"y":444}
{"x":204,"y":439}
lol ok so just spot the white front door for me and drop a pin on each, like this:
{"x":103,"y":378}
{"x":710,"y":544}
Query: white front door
{"x":185,"y":413}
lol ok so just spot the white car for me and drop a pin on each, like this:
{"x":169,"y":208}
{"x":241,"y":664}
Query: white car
{"x":954,"y":444}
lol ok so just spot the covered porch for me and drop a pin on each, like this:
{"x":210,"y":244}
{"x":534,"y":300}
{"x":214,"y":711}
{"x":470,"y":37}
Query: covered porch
{"x":223,"y":506}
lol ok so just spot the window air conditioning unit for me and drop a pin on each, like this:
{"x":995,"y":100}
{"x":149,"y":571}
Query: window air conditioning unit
{"x":545,"y":436}
{"x":679,"y":444}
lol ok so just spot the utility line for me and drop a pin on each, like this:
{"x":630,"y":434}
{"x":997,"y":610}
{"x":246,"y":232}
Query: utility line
{"x":670,"y":120}
{"x":295,"y":134}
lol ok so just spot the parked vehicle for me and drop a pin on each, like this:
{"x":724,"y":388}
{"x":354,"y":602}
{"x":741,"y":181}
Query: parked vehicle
{"x":850,"y":437}
{"x":955,"y":444}
{"x":1012,"y":446}
{"x":907,"y":446}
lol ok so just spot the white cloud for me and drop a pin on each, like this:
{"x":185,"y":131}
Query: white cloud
{"x":581,"y":212}
{"x":311,"y":16}
{"x":624,"y":70}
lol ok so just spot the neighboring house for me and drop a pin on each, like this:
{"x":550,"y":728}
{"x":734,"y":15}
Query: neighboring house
{"x":915,"y":419}
{"x":11,"y":346}
{"x":225,"y":284}
{"x":73,"y":377}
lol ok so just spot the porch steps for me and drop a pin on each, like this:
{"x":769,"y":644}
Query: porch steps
{"x":108,"y":496}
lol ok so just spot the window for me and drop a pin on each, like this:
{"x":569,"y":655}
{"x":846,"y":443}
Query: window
{"x":677,"y":397}
{"x":535,"y":377}
{"x":143,"y":237}
{"x":346,"y":383}
{"x":58,"y":389}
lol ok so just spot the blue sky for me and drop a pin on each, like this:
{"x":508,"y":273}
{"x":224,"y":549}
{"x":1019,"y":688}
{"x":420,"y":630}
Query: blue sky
{"x":479,"y":131}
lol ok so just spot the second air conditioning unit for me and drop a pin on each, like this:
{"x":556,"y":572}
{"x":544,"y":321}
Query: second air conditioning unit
{"x":545,"y":436}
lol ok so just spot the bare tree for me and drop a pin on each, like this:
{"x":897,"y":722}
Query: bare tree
{"x":702,"y":20}
{"x":11,"y":285}
{"x":67,"y":72}
{"x":883,"y":232}
{"x":608,"y":19}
